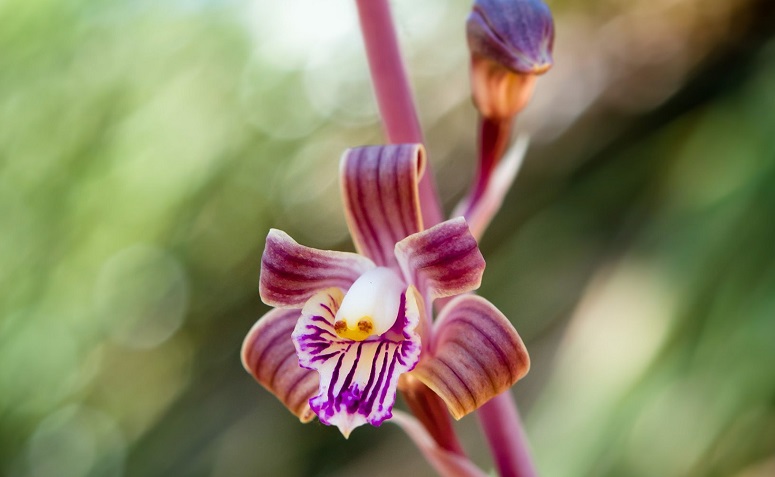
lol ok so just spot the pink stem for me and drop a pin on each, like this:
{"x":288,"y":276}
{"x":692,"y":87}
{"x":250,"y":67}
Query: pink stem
{"x":401,"y":124}
{"x":494,"y":137}
{"x":431,"y":411}
{"x":500,"y":421}
{"x":394,"y":95}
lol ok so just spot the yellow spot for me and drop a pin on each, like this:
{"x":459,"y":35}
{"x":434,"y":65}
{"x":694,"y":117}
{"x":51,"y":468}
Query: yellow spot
{"x":541,"y":69}
{"x":359,"y":332}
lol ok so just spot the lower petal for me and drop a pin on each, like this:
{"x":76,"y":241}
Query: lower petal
{"x":358,"y":379}
{"x":477,"y":354}
{"x":268,"y":354}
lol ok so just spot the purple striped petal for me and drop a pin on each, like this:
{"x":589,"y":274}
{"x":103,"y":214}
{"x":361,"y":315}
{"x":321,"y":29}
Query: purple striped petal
{"x":292,"y":273}
{"x":442,"y":261}
{"x":379,"y":187}
{"x":358,"y":379}
{"x":268,"y":354}
{"x":477,"y":355}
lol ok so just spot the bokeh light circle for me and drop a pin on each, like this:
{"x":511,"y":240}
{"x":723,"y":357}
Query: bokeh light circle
{"x":142,"y":295}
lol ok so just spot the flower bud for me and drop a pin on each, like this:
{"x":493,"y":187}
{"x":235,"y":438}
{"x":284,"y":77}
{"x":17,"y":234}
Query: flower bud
{"x":511,"y":43}
{"x":499,"y":93}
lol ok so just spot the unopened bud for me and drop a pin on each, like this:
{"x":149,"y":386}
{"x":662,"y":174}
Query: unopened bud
{"x":499,"y":93}
{"x":511,"y":43}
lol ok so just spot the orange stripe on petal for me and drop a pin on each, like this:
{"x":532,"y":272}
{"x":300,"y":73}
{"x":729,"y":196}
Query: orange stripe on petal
{"x":477,"y":354}
{"x":380,"y":192}
{"x":269,"y":355}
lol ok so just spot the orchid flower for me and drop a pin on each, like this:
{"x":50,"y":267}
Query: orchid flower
{"x":349,"y":330}
{"x":347,"y":326}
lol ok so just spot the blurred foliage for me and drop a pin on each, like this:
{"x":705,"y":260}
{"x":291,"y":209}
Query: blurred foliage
{"x":147,"y":147}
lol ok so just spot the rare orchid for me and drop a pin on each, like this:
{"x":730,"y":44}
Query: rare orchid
{"x":350,"y":330}
{"x":362,"y":320}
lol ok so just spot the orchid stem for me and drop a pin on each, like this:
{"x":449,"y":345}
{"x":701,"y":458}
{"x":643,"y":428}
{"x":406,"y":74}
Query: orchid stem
{"x":402,"y":125}
{"x":502,"y":425}
{"x":431,"y":411}
{"x":494,"y":137}
{"x":394,"y":94}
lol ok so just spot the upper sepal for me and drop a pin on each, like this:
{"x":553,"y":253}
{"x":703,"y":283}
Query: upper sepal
{"x":268,"y":354}
{"x":292,"y":273}
{"x":477,"y":354}
{"x":442,"y":261}
{"x":381,"y":197}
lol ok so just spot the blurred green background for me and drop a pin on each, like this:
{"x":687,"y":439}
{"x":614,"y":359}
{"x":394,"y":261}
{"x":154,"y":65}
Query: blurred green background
{"x":147,"y":147}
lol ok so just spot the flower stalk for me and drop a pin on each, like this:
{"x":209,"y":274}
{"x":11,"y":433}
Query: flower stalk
{"x":430,"y":410}
{"x":401,"y":123}
{"x":510,"y":43}
{"x":393,"y":92}
{"x":501,"y":423}
{"x":494,"y":135}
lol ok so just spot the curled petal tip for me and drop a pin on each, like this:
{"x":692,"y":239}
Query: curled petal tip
{"x":380,"y":190}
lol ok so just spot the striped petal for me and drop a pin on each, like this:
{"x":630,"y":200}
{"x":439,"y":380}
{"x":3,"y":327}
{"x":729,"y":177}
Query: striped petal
{"x":442,"y":261}
{"x":358,"y":379}
{"x":477,"y":355}
{"x":268,"y":354}
{"x":379,"y":188}
{"x":292,"y":273}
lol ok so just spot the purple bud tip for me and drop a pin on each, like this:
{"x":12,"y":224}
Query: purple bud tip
{"x":518,"y":34}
